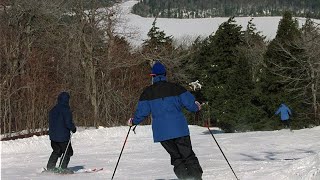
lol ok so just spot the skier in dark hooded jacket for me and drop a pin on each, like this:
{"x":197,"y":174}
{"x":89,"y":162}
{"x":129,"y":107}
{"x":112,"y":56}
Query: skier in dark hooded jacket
{"x":165,"y":101}
{"x":60,"y":125}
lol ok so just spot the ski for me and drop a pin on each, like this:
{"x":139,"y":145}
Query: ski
{"x":57,"y":171}
{"x":88,"y":170}
{"x":69,"y":171}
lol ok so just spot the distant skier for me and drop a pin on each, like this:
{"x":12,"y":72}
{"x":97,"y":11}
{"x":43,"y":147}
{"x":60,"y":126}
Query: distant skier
{"x":60,"y":125}
{"x":285,"y":114}
{"x":165,"y":101}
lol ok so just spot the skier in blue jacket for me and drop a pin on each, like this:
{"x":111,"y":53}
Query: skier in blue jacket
{"x":165,"y":101}
{"x":285,"y":114}
{"x":60,"y":125}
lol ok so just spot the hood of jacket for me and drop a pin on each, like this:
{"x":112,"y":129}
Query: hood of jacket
{"x":63,"y":98}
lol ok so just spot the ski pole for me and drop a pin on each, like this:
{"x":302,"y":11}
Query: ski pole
{"x":121,"y":153}
{"x":222,"y":152}
{"x":65,"y":152}
{"x":134,"y":129}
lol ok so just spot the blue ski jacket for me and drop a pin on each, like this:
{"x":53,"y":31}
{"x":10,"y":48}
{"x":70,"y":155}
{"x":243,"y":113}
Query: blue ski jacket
{"x":60,"y":120}
{"x":284,"y":111}
{"x":165,"y":102}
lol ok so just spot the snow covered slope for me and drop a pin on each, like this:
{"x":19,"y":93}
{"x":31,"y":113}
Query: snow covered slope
{"x":281,"y":155}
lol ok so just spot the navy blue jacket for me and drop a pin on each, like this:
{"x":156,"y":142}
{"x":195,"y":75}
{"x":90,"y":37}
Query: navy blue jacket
{"x":60,"y":120}
{"x":165,"y":101}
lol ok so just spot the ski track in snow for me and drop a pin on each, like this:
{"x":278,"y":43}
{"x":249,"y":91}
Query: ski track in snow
{"x":265,"y":155}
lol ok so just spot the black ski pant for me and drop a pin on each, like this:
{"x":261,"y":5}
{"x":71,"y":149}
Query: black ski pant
{"x":186,"y":164}
{"x":286,"y":123}
{"x":58,"y":149}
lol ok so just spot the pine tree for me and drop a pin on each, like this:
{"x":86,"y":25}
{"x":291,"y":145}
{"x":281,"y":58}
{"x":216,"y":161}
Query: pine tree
{"x":310,"y":77}
{"x":287,"y":33}
{"x":157,"y":42}
{"x":226,"y":76}
{"x":254,"y":50}
{"x":279,"y":64}
{"x":288,"y":29}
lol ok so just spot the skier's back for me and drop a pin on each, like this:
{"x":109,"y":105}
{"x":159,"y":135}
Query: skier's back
{"x":165,"y":101}
{"x":285,"y":114}
{"x":60,"y":125}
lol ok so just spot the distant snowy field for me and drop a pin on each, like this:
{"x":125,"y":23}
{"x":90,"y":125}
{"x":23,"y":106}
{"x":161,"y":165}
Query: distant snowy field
{"x":280,"y":155}
{"x":187,"y":30}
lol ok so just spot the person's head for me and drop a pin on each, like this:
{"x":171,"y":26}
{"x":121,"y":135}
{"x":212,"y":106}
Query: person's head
{"x":158,"y":69}
{"x":63,"y":98}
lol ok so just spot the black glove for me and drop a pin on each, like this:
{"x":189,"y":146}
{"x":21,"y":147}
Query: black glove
{"x":74,"y":130}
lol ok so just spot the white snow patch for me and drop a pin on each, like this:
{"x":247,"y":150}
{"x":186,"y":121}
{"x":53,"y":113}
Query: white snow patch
{"x":263,"y":155}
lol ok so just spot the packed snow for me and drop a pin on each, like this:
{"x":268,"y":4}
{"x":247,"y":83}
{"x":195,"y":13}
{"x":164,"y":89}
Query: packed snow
{"x":184,"y":31}
{"x":263,"y":155}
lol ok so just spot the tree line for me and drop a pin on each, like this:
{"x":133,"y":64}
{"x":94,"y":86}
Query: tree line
{"x":46,"y":49}
{"x":226,"y":8}
{"x":246,"y":78}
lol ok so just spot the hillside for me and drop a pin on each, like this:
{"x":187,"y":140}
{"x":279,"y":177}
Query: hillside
{"x":281,"y":155}
{"x":227,"y":8}
{"x":187,"y":30}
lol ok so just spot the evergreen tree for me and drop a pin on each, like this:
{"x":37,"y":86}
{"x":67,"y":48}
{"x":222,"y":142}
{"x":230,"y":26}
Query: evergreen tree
{"x":158,"y":41}
{"x":159,"y":46}
{"x":254,"y":50}
{"x":278,"y":64}
{"x":288,"y":29}
{"x":287,"y":33}
{"x":226,"y":76}
{"x":310,"y":74}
